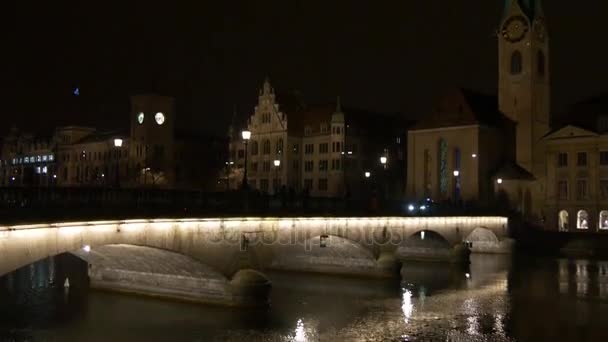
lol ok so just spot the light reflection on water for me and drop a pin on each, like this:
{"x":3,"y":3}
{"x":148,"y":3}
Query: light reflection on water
{"x":501,"y":300}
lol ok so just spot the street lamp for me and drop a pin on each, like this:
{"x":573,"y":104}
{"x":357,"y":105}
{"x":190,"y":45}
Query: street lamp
{"x":499,"y":181}
{"x":118,"y":144}
{"x":367,"y":174}
{"x":277,"y":164}
{"x":456,"y":173}
{"x":246,"y":136}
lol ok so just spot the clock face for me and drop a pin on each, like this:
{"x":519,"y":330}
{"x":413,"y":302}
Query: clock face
{"x":514,"y":29}
{"x":539,"y":30}
{"x":160,"y":118}
{"x":140,"y":118}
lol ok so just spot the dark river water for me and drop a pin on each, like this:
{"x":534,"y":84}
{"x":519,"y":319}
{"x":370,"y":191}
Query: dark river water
{"x":498,"y":298}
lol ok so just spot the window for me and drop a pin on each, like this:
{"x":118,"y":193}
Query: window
{"x":296,"y":165}
{"x":581,"y":159}
{"x":604,"y":158}
{"x":323,"y":148}
{"x":540,"y":63}
{"x":581,"y":189}
{"x":562,"y":190}
{"x":563,"y":221}
{"x":335,"y":147}
{"x":309,"y":149}
{"x":603,"y":219}
{"x":309,"y":166}
{"x":516,"y":63}
{"x":323,"y":165}
{"x":335,"y":164}
{"x":264,"y":185}
{"x":279,"y":149}
{"x":254,"y":167}
{"x":266,"y":166}
{"x":562,"y":159}
{"x":324,"y":128}
{"x":308,"y":184}
{"x":254,"y":148}
{"x":266,"y":147}
{"x":582,"y":220}
{"x":604,"y":189}
{"x":296,"y":148}
{"x":323,"y":184}
{"x":241,"y":154}
{"x":307,"y":130}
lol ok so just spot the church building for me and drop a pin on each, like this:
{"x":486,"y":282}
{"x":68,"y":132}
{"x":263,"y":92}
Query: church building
{"x":478,"y":148}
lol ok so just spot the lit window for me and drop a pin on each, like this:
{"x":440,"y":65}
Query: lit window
{"x":563,"y":221}
{"x":603,"y":219}
{"x":582,"y":220}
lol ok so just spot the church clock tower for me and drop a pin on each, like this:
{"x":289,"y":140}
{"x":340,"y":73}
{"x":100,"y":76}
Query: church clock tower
{"x":523,"y":73}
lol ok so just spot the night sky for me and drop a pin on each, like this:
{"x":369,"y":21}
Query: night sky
{"x":395,"y":56}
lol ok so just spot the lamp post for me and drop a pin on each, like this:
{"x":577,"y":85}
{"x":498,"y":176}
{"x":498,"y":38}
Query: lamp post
{"x":118,"y":145}
{"x":456,"y":185}
{"x":246,"y":136}
{"x":383,"y":162}
{"x":277,"y":164}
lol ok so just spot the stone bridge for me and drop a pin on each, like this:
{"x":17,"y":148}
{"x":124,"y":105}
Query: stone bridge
{"x":236,"y":251}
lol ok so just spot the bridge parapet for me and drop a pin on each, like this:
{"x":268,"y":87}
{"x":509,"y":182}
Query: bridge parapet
{"x":222,"y":242}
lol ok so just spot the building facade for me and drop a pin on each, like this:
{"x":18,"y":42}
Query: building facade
{"x":482,"y":148}
{"x":148,"y":154}
{"x":577,"y":169}
{"x":324,"y":150}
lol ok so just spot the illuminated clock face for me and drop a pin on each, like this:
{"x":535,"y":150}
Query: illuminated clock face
{"x":514,"y":29}
{"x":160,"y":118}
{"x":140,"y":118}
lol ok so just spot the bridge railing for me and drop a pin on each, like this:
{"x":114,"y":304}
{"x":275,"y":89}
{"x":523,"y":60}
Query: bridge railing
{"x":33,"y":204}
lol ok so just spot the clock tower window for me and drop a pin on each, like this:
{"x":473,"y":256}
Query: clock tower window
{"x":516,"y":63}
{"x":540,"y":63}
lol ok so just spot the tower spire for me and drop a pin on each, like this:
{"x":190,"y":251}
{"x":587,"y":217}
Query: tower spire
{"x":267,"y":88}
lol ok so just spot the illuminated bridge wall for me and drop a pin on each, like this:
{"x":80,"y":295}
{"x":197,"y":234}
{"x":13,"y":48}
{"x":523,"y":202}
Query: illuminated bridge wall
{"x":230,"y":244}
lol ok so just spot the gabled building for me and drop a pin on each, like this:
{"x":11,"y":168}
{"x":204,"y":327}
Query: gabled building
{"x":577,"y":169}
{"x":325,"y":150}
{"x":455,"y":152}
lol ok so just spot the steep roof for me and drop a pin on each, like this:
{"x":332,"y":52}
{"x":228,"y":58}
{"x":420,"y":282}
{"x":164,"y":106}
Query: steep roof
{"x":99,"y":137}
{"x":531,"y":8}
{"x":512,"y":171}
{"x":462,"y":107}
{"x":588,"y":114}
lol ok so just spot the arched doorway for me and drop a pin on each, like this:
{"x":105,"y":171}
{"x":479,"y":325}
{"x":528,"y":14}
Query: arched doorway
{"x":563,"y":221}
{"x":603,"y":224}
{"x":582,"y":219}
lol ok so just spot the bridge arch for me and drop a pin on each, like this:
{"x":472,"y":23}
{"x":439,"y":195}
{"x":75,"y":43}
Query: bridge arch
{"x":328,"y":253}
{"x":426,"y":239}
{"x":482,"y":235}
{"x":484,"y":240}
